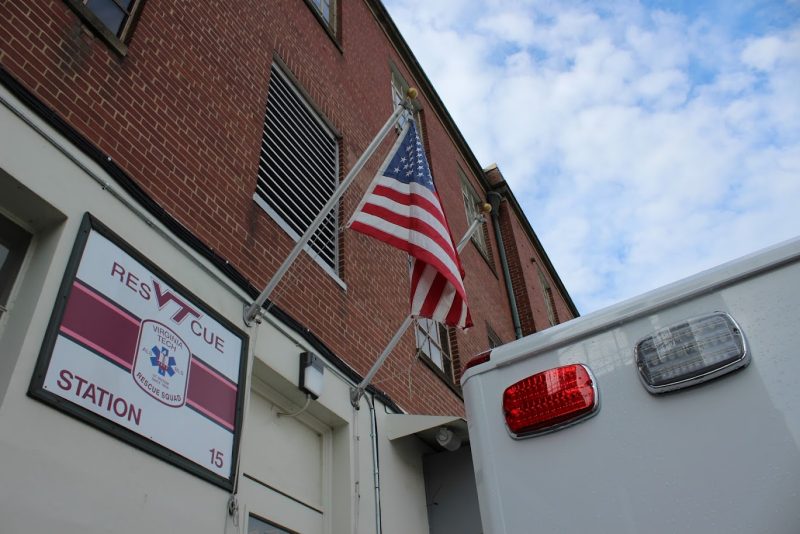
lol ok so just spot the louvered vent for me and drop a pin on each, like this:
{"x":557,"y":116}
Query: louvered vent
{"x":298,"y":169}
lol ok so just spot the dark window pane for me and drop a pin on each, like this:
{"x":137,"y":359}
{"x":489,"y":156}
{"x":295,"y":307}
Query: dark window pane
{"x":13,"y":243}
{"x":257,"y":526}
{"x":109,"y":13}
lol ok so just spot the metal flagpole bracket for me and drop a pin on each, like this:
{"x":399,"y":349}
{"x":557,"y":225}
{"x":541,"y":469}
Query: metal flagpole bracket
{"x":358,"y":391}
{"x":355,"y":396}
{"x":251,"y":311}
{"x":408,"y":101}
{"x":254,"y":319}
{"x":479,"y":219}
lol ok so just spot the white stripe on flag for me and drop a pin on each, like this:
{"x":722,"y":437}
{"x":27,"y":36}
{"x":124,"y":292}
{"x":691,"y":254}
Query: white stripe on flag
{"x":413,"y":212}
{"x":445,"y":301}
{"x":410,"y":188}
{"x":417,"y":238}
{"x":423,"y":286}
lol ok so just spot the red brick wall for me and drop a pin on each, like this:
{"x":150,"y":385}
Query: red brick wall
{"x":183,"y":114}
{"x":522,"y":290}
{"x":525,"y":276}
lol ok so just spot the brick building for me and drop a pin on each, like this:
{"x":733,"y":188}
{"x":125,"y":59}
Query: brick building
{"x":163,"y":158}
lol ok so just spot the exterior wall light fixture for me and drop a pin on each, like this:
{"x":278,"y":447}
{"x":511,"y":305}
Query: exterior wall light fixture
{"x":311,"y":374}
{"x":447,"y":439}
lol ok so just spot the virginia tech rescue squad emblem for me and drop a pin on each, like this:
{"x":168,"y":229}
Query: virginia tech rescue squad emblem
{"x":161,"y":367}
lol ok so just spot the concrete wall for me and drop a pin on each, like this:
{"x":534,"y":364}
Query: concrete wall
{"x":310,"y":473}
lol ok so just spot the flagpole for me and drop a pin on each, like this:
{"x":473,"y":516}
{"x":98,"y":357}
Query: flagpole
{"x":251,"y":311}
{"x":357,"y":392}
{"x":485,"y":208}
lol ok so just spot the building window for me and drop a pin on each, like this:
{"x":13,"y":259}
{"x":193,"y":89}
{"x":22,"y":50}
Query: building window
{"x":494,"y":339}
{"x":256,"y":525}
{"x":472,"y":205}
{"x":547,"y":292}
{"x":111,"y":19}
{"x":13,"y":245}
{"x":298,"y":169}
{"x":433,"y":341}
{"x":399,"y":89}
{"x":326,"y":9}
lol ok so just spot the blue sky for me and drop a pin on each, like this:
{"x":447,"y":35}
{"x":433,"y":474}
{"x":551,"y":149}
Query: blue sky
{"x":646,"y":141}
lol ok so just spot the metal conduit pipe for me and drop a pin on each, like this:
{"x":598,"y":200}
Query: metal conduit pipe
{"x":376,"y":471}
{"x":494,"y":199}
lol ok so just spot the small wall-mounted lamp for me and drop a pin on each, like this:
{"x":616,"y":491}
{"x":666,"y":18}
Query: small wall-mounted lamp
{"x":311,"y":374}
{"x":447,"y":439}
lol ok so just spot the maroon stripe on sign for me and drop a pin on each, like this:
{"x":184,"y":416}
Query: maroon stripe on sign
{"x":109,"y":331}
{"x":212,"y":393}
{"x":101,"y":323}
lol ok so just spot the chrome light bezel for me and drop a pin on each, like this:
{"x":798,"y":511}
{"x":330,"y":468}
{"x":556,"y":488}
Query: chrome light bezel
{"x":711,"y":373}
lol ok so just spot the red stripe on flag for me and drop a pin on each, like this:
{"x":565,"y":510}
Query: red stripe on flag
{"x":411,"y":223}
{"x":456,"y":311}
{"x":410,"y":199}
{"x":416,"y":274}
{"x":417,"y":252}
{"x":405,"y":169}
{"x":434,"y":295}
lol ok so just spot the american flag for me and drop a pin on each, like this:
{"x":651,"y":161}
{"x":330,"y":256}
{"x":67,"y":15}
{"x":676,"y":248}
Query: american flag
{"x":402,"y":209}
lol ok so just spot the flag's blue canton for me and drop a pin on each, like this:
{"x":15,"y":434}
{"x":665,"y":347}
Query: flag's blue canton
{"x":409,"y":163}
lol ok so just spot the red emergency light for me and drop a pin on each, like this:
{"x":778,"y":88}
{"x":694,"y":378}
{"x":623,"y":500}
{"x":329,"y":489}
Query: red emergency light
{"x":483,"y":357}
{"x":550,"y":400}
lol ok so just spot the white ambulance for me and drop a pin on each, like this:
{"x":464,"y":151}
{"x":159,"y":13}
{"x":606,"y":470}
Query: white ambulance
{"x":677,"y":411}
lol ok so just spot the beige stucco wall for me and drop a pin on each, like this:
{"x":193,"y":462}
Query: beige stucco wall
{"x":61,"y":474}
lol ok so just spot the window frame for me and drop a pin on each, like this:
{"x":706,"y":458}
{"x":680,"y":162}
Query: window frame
{"x":16,"y":240}
{"x":399,"y":87}
{"x":471,"y":200}
{"x":440,"y":338}
{"x":117,"y":41}
{"x":257,"y":518}
{"x":331,"y":19}
{"x":492,"y":337}
{"x":549,"y":300}
{"x":331,"y":24}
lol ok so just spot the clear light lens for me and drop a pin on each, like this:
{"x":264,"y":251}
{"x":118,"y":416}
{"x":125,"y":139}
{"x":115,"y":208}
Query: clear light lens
{"x":313,"y":380}
{"x":689,"y":350}
{"x":312,"y":372}
{"x":549,"y":399}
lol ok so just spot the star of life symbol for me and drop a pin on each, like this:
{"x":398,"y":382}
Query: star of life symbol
{"x":162,"y":363}
{"x":162,"y":360}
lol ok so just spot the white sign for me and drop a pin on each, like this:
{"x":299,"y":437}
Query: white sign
{"x":133,"y":348}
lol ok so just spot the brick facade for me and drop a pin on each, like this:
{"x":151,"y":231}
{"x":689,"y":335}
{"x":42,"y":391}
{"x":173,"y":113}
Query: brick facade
{"x":183,"y":111}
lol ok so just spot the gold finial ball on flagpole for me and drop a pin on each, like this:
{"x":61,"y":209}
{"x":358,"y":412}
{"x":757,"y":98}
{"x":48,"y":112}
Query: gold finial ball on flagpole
{"x":412,"y":93}
{"x":486,"y":208}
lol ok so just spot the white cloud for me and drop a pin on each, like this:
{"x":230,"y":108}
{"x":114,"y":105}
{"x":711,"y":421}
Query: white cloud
{"x":764,"y":53}
{"x":644,"y":145}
